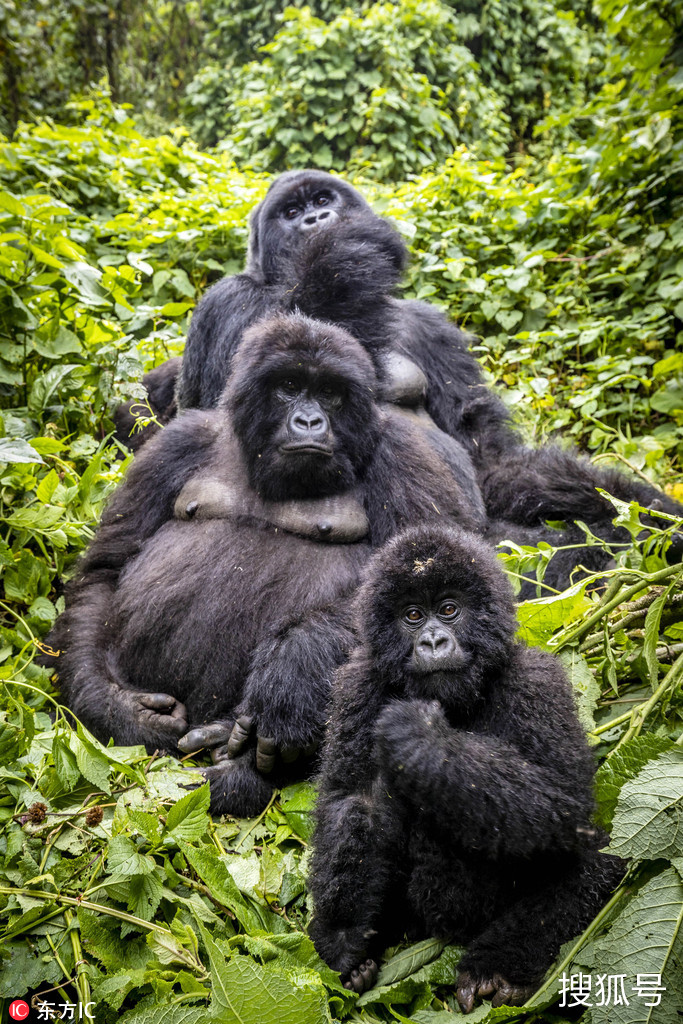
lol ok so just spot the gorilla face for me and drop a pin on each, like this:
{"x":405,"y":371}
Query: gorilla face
{"x":439,"y":615}
{"x":302,"y":403}
{"x":298,"y":205}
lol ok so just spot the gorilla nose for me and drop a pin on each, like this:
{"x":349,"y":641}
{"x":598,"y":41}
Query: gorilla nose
{"x":436,"y":645}
{"x":315,"y":220}
{"x":309,"y":424}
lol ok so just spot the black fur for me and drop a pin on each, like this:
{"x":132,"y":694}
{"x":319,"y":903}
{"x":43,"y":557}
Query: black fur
{"x":207,"y":580}
{"x":346,"y":273}
{"x":456,"y":803}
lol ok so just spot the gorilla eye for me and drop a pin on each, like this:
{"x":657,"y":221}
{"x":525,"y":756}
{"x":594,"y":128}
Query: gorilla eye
{"x":322,"y":199}
{"x":290,"y":387}
{"x":328,"y":391}
{"x":449,"y":610}
{"x":413,"y":616}
{"x":291,"y":212}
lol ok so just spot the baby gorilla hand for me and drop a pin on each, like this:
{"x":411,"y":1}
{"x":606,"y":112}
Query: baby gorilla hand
{"x":405,"y":733}
{"x":157,"y":715}
{"x":470,"y":989}
{"x":361,"y":978}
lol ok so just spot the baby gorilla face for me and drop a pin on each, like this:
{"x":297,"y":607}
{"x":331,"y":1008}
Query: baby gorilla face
{"x":435,"y":628}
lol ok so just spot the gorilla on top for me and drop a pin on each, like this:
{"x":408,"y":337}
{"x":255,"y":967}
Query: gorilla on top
{"x":317,"y":247}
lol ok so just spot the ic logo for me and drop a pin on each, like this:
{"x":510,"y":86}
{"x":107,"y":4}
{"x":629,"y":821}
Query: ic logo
{"x":19,"y":1010}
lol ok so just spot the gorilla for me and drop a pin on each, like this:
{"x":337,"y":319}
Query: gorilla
{"x":316,"y":246}
{"x":215,"y":596}
{"x":456,"y":782}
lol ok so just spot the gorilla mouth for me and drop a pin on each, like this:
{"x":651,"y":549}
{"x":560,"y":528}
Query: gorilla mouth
{"x":306,"y":448}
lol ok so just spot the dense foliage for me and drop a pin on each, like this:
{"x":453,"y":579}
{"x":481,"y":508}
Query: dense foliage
{"x":115,"y":884}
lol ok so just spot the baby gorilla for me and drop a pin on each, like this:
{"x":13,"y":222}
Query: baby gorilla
{"x":456,"y":782}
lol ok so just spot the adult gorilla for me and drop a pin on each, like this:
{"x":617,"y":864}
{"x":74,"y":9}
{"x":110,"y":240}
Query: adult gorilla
{"x":216,"y":594}
{"x":316,"y":245}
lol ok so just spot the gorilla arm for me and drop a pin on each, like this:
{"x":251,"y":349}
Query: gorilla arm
{"x":520,"y":785}
{"x":358,"y":837}
{"x":84,"y":633}
{"x":286,"y":694}
{"x":216,"y":329}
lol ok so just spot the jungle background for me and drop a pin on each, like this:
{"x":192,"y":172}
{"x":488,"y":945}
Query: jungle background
{"x":531,"y":153}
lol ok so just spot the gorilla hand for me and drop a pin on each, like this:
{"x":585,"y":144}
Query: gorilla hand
{"x":211,"y":734}
{"x":267,"y":748}
{"x":159,"y":716}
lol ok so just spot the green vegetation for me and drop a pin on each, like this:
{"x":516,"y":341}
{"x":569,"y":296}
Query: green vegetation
{"x":532,"y":156}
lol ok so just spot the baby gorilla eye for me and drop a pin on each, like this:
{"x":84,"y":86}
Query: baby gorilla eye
{"x":289,"y":387}
{"x":449,"y":610}
{"x":322,"y":199}
{"x":291,"y":212}
{"x":413,"y":616}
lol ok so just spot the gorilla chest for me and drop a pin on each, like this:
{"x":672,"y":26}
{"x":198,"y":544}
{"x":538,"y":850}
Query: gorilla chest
{"x":202,"y":594}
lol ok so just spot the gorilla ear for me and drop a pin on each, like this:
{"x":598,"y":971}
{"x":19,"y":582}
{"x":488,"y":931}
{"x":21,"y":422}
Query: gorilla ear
{"x":253,"y":264}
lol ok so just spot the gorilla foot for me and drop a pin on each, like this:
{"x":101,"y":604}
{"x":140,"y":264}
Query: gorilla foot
{"x":363,"y":977}
{"x":470,"y":989}
{"x":237,"y":789}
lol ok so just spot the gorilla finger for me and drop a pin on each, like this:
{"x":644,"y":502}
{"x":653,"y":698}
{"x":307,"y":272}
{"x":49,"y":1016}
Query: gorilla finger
{"x":266,"y":749}
{"x":219,"y":755}
{"x":289,"y":754}
{"x":369,"y":972}
{"x":157,"y":701}
{"x":179,"y":711}
{"x":356,"y":981}
{"x":465,"y":992}
{"x":206,"y":736}
{"x":176,"y":726}
{"x":239,"y":735}
{"x":509,"y":994}
{"x":486,"y":988}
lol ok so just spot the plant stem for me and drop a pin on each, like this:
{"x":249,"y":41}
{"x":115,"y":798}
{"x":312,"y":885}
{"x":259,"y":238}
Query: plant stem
{"x":580,"y":942}
{"x":619,"y":598}
{"x":98,"y":908}
{"x":641,"y":712}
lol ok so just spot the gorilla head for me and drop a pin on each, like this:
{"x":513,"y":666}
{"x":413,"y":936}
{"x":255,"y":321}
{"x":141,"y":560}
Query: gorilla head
{"x":300,"y":205}
{"x":438,"y":614}
{"x":301,"y":399}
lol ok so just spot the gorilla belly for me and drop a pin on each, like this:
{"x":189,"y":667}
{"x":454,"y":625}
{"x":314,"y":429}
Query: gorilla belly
{"x":193,"y":605}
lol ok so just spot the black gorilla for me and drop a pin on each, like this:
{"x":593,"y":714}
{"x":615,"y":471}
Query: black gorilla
{"x":215,"y":594}
{"x":316,"y":245}
{"x":455,"y":789}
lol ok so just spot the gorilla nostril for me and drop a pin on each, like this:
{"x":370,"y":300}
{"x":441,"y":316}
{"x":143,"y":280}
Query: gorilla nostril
{"x":323,"y":215}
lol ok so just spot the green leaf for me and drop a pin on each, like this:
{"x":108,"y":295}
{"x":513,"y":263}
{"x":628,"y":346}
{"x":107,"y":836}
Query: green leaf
{"x":188,"y":818}
{"x":15,"y":449}
{"x":623,"y":765}
{"x":648,"y":822}
{"x":243,"y":992}
{"x":583,"y":683}
{"x":541,"y":618}
{"x":645,"y":938}
{"x":221,"y":884}
{"x":124,"y":859}
{"x":297,"y":803}
{"x":410,"y":960}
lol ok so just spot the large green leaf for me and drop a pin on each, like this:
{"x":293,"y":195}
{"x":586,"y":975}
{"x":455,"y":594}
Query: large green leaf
{"x":244,"y":992}
{"x":645,"y":938}
{"x":624,"y":764}
{"x":648,"y":821}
